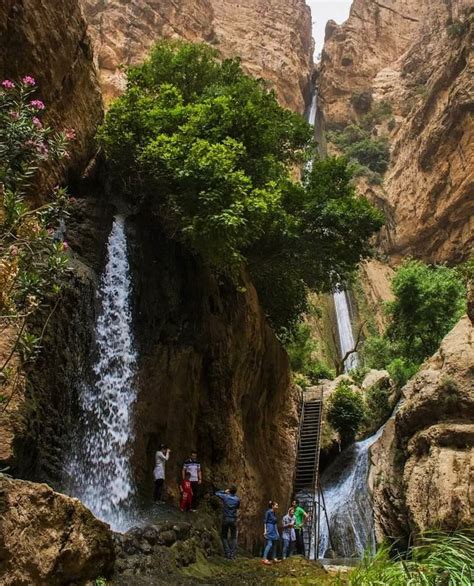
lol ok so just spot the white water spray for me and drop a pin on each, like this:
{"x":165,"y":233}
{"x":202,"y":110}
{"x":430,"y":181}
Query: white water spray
{"x":344,"y":327}
{"x":348,"y":503}
{"x":99,"y":471}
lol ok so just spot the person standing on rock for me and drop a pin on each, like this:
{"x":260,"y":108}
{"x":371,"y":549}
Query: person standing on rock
{"x":300,"y":519}
{"x":288,"y":533}
{"x":161,"y":457}
{"x":229,"y":520}
{"x":194,"y":468}
{"x":270,"y":532}
{"x":186,"y":491}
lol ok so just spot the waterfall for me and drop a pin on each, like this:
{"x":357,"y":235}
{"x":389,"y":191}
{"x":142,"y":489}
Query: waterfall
{"x":99,"y":469}
{"x":344,"y":328}
{"x":348,"y":503}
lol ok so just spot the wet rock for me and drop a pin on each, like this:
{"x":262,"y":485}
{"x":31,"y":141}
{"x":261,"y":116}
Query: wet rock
{"x":151,"y":534}
{"x":182,"y":530}
{"x":168,"y":537}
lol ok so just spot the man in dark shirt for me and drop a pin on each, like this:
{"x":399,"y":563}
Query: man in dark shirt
{"x":229,"y":520}
{"x":194,"y":468}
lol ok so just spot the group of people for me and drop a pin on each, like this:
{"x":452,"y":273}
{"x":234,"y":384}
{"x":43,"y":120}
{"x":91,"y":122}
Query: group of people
{"x":191,"y":479}
{"x":292,"y":532}
{"x":189,"y":487}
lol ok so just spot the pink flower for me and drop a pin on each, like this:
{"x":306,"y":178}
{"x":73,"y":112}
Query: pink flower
{"x":14,"y":115}
{"x":70,"y":134}
{"x":72,"y":200}
{"x":67,"y":156}
{"x":37,"y":122}
{"x":28,"y":80}
{"x":37,"y":104}
{"x":42,"y":148}
{"x":65,"y":246}
{"x":7,"y":84}
{"x":13,"y":250}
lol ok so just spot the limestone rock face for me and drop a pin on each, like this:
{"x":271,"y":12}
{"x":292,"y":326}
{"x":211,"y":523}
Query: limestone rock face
{"x":273,"y":37}
{"x":49,"y":41}
{"x":422,"y":464}
{"x":212,"y":376}
{"x":417,"y":57}
{"x":48,"y":539}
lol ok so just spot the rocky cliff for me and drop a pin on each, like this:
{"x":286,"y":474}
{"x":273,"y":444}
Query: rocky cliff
{"x":212,"y":374}
{"x":48,"y":40}
{"x":273,"y":38}
{"x":415,"y":58}
{"x":422,"y":464}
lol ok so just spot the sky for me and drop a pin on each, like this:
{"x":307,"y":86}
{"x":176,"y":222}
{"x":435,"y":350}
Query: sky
{"x":324,"y":10}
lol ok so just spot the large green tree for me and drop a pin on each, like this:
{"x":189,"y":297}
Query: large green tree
{"x":213,"y":154}
{"x":428,"y":302}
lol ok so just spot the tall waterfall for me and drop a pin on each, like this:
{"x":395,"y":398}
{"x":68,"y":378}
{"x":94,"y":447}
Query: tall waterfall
{"x":344,"y":328}
{"x":99,"y":470}
{"x":348,"y":503}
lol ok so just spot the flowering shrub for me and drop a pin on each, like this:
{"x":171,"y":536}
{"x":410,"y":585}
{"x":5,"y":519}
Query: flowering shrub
{"x":33,"y":256}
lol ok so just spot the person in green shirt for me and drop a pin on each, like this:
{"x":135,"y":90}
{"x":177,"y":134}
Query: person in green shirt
{"x":300,"y":519}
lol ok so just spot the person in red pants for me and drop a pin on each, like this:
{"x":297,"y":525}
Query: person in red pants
{"x":186,"y":491}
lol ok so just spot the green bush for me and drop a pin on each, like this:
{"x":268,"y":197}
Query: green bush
{"x":401,"y":371}
{"x":378,"y":404}
{"x":346,"y":412}
{"x":358,"y":144}
{"x":373,"y":153}
{"x":301,"y":347}
{"x":318,"y":371}
{"x":362,"y":101}
{"x":429,"y":300}
{"x":212,"y":153}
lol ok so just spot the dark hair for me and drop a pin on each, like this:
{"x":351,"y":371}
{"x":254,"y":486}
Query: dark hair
{"x":162,"y":446}
{"x":296,"y":501}
{"x":194,"y":451}
{"x":271,"y":504}
{"x":233,"y":489}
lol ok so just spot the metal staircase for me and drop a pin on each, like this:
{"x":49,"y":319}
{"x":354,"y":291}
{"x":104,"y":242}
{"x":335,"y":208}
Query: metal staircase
{"x":307,"y":465}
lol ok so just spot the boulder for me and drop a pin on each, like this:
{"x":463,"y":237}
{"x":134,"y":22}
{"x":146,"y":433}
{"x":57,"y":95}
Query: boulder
{"x":422,"y":463}
{"x":376,"y":378}
{"x":49,"y":539}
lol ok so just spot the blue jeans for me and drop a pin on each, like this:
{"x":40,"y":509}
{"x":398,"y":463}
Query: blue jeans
{"x":270,"y":545}
{"x":287,"y":548}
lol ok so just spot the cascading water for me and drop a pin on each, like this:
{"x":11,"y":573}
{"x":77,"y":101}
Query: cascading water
{"x":348,"y":503}
{"x":99,"y":470}
{"x":344,"y":327}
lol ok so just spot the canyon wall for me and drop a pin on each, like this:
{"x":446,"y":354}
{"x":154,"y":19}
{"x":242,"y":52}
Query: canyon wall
{"x":272,"y":37}
{"x":416,"y":57}
{"x":212,"y":374}
{"x":49,"y":41}
{"x":423,"y":462}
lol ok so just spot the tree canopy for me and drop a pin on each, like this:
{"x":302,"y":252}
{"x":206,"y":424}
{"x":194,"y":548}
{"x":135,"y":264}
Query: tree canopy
{"x":213,"y":154}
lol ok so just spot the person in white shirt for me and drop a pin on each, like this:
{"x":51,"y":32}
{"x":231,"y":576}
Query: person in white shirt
{"x":194,"y":468}
{"x":161,"y":457}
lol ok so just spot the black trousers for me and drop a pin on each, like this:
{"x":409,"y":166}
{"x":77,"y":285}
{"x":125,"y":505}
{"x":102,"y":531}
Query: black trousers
{"x":299,"y":541}
{"x":159,"y":482}
{"x":195,"y":486}
{"x":229,"y":537}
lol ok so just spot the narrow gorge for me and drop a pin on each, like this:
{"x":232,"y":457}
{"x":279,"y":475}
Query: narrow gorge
{"x":203,"y":228}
